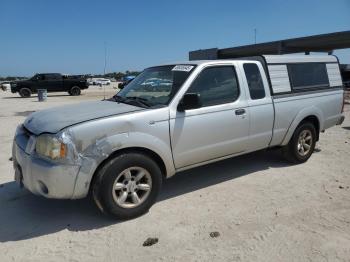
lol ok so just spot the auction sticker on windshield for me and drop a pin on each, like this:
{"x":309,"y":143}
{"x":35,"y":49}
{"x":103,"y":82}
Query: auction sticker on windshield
{"x":184,"y":68}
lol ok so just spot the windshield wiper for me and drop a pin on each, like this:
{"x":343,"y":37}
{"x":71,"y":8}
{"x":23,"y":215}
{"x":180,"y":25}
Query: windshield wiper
{"x":118,"y":98}
{"x":139,"y":100}
{"x":131,"y":100}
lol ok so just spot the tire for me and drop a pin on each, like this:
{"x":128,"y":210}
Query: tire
{"x":74,"y":91}
{"x":114,"y":188}
{"x":302,"y":144}
{"x":25,"y":92}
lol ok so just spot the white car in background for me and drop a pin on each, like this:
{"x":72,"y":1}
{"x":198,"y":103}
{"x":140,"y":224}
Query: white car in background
{"x":101,"y":81}
{"x":5,"y":86}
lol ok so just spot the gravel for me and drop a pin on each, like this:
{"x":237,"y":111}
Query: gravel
{"x":238,"y":197}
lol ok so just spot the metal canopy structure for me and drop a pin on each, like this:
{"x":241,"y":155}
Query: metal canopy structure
{"x":316,"y":43}
{"x":345,"y":73}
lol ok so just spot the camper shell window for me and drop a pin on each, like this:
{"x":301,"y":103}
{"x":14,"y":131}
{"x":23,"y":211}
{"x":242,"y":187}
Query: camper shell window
{"x":308,"y":76}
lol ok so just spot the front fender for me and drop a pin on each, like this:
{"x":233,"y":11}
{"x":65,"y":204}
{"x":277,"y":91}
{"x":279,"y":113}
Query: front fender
{"x":309,"y":111}
{"x":117,"y":142}
{"x":97,"y":152}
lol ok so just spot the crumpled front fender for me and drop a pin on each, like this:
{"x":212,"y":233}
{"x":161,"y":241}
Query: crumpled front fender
{"x":102,"y":148}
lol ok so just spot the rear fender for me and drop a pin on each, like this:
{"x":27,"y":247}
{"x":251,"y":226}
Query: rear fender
{"x":304,"y":113}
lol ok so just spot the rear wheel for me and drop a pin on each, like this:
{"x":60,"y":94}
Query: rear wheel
{"x":74,"y":91}
{"x":127,"y":185}
{"x":302,"y":143}
{"x":25,"y":92}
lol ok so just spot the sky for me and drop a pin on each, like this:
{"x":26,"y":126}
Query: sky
{"x":68,"y":36}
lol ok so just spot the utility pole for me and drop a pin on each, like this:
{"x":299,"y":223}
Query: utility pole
{"x":104,"y":71}
{"x":255,"y":36}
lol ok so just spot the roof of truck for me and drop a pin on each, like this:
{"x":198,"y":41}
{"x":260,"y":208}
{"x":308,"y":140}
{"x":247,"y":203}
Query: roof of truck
{"x":270,"y":59}
{"x":300,"y":58}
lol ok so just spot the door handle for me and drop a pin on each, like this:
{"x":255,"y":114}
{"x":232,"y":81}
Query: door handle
{"x":240,"y":111}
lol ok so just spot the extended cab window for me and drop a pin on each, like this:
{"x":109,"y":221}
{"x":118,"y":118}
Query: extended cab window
{"x":255,"y":83}
{"x":38,"y":77}
{"x":216,"y":85}
{"x":308,"y":75}
{"x":53,"y":77}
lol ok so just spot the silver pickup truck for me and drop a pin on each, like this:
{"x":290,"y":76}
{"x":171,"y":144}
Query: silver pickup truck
{"x":175,"y":117}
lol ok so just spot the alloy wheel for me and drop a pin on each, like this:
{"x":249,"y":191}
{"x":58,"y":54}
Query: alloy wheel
{"x":132,"y":187}
{"x":304,"y":142}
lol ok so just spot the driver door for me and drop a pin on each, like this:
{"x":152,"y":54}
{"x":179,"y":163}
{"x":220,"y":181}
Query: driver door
{"x":53,"y":82}
{"x":219,"y":127}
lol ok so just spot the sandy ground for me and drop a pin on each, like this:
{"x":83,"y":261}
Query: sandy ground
{"x":263,"y":208}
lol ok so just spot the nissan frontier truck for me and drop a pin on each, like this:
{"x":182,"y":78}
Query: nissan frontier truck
{"x":120,"y":150}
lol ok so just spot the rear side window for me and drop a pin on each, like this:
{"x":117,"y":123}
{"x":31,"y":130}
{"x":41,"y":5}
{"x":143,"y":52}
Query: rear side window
{"x":308,"y":75}
{"x":216,"y":85}
{"x":255,"y":83}
{"x":53,"y":77}
{"x":40,"y":77}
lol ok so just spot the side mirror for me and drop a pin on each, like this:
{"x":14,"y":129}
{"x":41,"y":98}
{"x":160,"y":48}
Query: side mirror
{"x":189,"y":101}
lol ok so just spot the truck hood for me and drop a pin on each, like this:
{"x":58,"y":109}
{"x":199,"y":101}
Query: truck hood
{"x":19,"y":82}
{"x":55,"y":119}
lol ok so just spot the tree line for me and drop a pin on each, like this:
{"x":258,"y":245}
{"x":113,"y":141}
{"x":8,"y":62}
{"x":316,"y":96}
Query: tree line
{"x":116,"y":75}
{"x":12,"y":78}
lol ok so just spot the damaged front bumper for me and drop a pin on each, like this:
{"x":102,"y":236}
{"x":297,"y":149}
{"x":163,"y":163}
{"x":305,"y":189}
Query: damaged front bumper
{"x":51,"y":179}
{"x":42,"y":177}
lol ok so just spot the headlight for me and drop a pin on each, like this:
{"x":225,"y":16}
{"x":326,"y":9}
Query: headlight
{"x":51,"y":147}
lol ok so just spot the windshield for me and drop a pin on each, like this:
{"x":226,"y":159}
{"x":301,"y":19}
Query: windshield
{"x":34,"y":77}
{"x":156,"y":86}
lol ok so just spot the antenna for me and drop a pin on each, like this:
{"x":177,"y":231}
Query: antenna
{"x":104,"y":70}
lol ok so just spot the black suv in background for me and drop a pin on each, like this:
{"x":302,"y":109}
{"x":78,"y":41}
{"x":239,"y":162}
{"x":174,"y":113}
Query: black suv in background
{"x":52,"y":82}
{"x":345,"y":73}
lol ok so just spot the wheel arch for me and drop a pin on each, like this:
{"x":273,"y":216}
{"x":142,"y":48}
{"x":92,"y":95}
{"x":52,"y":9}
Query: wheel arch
{"x":315,"y":121}
{"x":143,"y":150}
{"x":27,"y":87}
{"x":312,"y":115}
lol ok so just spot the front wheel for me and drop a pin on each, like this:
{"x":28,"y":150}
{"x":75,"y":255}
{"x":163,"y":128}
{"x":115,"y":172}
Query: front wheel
{"x":74,"y":91}
{"x":25,"y":92}
{"x":302,"y":143}
{"x":127,"y":185}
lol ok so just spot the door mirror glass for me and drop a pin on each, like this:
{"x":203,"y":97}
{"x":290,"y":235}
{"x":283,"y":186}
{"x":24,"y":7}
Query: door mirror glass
{"x":189,"y":101}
